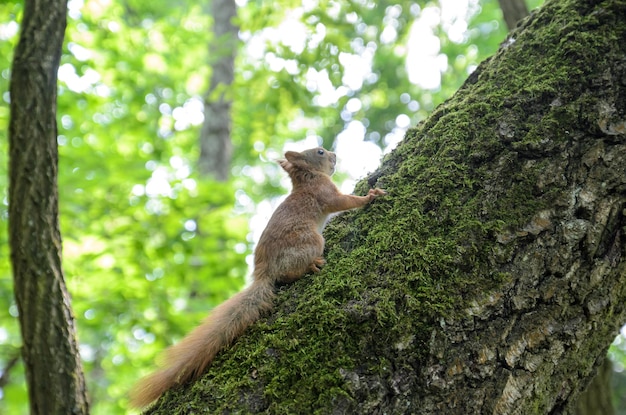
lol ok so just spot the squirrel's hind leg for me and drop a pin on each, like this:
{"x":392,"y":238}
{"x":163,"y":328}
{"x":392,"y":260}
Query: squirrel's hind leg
{"x":317,"y":264}
{"x":313,"y":267}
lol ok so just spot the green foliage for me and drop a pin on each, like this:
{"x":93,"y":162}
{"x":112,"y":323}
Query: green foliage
{"x":9,"y":331}
{"x":149,"y":246}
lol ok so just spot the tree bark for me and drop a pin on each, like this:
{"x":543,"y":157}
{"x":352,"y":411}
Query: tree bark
{"x":492,"y":277}
{"x":50,"y":351}
{"x":215,"y":140}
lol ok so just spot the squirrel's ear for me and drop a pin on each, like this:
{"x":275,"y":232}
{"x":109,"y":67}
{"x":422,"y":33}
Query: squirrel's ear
{"x":286,"y":165}
{"x":292,"y":155}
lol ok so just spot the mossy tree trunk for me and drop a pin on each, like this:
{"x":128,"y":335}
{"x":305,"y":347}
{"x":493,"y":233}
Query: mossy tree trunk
{"x":50,"y":351}
{"x":492,"y":278}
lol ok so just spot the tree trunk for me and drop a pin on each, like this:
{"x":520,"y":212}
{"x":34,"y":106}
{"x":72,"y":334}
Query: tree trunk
{"x":513,"y":11}
{"x":215,"y":140}
{"x":596,"y":399}
{"x":50,"y":352}
{"x":492,"y":277}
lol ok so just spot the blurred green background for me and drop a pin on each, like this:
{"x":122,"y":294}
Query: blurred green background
{"x":150,"y":243}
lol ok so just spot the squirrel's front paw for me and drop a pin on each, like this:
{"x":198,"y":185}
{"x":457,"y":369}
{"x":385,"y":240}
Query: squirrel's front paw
{"x":374,"y":193}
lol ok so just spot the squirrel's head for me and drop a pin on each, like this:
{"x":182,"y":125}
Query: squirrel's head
{"x":315,"y":159}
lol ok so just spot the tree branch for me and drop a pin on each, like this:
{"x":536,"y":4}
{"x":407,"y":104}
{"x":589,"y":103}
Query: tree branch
{"x":6,"y":372}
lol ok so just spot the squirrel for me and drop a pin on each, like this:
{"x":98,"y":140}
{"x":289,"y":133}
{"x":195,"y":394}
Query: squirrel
{"x":290,"y":246}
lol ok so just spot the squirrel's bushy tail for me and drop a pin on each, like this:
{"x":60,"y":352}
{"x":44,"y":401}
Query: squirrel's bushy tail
{"x":188,"y":359}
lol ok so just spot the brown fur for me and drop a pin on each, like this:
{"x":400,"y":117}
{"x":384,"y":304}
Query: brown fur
{"x":290,"y":246}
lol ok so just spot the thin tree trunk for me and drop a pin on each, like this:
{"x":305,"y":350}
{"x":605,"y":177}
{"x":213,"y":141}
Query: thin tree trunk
{"x":215,"y":140}
{"x":53,"y":370}
{"x":492,"y":277}
{"x":513,"y":12}
{"x":596,"y":399}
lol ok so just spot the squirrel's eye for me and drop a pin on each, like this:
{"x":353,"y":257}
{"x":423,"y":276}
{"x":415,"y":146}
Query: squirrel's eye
{"x":320,"y":152}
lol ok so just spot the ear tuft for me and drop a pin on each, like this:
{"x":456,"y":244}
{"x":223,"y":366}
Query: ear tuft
{"x":292,"y":155}
{"x":286,"y":165}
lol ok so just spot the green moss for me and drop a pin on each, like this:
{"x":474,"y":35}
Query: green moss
{"x":399,"y":267}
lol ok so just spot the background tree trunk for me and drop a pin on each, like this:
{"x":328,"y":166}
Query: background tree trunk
{"x":215,"y":141}
{"x":50,"y":352}
{"x":492,"y":278}
{"x":513,"y":11}
{"x":596,"y":399}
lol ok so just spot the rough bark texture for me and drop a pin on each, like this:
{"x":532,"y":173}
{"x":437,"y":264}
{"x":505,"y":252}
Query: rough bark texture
{"x":50,"y":352}
{"x":492,"y":278}
{"x":215,"y":142}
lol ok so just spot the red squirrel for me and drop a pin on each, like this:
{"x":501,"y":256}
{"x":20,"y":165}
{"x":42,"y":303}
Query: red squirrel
{"x":290,"y":246}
